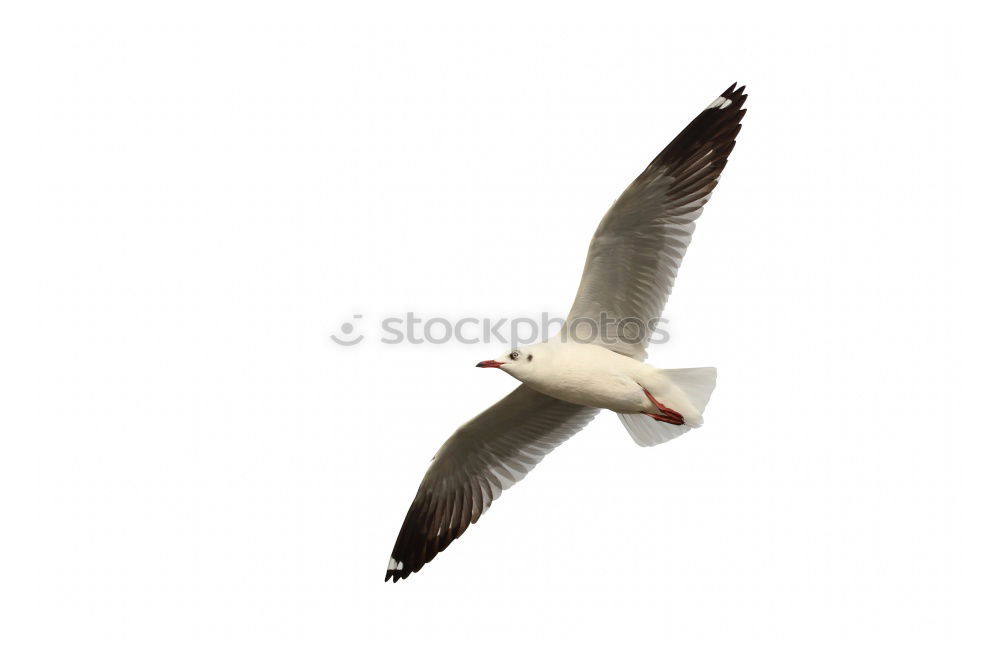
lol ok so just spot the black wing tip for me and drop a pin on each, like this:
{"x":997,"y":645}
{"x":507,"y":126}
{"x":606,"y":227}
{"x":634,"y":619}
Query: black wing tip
{"x":397,"y":569}
{"x":735,"y":96}
{"x":731,"y":99}
{"x":396,"y":576}
{"x":414,"y":546}
{"x":716,"y":126}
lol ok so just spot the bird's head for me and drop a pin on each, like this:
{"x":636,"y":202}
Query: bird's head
{"x":520,"y":363}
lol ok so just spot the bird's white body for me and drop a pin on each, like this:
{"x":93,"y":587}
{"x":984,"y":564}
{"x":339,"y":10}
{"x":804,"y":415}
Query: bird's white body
{"x":593,"y":376}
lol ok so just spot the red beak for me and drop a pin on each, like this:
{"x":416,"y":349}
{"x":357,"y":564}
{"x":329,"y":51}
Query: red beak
{"x":489,"y":364}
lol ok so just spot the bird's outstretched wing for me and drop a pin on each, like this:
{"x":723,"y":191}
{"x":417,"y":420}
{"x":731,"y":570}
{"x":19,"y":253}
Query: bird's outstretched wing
{"x":638,"y":247}
{"x":484,"y":457}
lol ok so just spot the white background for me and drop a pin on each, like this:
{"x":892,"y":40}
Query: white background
{"x":194,"y":197}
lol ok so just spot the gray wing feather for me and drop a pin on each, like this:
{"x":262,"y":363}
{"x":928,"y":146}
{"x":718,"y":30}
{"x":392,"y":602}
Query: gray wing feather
{"x":639,"y":244}
{"x":483,"y":458}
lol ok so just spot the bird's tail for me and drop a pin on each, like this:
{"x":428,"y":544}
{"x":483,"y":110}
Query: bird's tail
{"x":688,"y":388}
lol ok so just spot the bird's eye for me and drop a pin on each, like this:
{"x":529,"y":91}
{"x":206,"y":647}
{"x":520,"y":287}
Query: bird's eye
{"x":514,"y":355}
{"x":529,"y":357}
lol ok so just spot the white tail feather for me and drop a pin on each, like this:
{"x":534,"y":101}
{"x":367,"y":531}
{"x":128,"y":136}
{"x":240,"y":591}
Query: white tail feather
{"x":697,"y":385}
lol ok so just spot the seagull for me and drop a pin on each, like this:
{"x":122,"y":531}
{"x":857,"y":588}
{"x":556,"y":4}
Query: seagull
{"x":596,"y":360}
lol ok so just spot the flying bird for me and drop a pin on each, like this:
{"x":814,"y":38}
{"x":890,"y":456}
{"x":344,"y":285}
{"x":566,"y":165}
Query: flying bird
{"x":596,"y":361}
